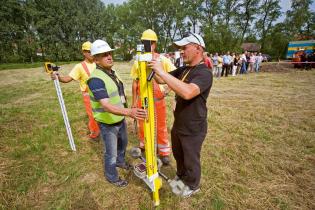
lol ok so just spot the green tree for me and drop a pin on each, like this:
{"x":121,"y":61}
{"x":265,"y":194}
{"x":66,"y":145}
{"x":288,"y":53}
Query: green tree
{"x":246,"y":12}
{"x":229,"y":10}
{"x":298,"y":18}
{"x":58,"y":28}
{"x":193,"y":10}
{"x":277,"y":40}
{"x":270,"y":11}
{"x":210,"y":11}
{"x":171,"y":23}
{"x":14,"y":37}
{"x":127,"y":33}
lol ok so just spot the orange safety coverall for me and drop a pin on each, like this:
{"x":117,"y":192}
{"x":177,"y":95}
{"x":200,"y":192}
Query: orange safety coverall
{"x":92,"y":125}
{"x":163,"y":146}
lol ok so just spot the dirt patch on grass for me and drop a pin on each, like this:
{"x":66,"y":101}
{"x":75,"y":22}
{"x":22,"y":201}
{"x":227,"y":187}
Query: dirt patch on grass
{"x":277,"y":67}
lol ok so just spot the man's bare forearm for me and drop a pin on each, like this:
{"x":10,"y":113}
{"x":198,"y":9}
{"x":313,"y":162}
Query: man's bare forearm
{"x":184,"y":90}
{"x":158,"y":79}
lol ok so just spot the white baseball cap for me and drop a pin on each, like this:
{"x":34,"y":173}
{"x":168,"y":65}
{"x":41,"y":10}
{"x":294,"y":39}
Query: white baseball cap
{"x":191,"y":38}
{"x":100,"y":46}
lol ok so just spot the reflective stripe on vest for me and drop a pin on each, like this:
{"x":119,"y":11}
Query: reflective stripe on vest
{"x":158,"y":99}
{"x":113,"y":94}
{"x":99,"y":113}
{"x":163,"y":146}
{"x":165,"y":149}
{"x":85,"y":68}
{"x":87,"y":72}
{"x":85,"y":93}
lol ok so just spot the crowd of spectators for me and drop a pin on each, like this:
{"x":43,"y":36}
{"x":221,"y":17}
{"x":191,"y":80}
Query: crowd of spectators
{"x":226,"y":63}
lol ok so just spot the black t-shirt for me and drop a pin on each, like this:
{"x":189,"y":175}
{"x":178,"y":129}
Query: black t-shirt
{"x":191,"y":115}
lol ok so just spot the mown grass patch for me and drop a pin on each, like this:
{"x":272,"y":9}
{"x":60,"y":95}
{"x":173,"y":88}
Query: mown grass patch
{"x":258,"y":154}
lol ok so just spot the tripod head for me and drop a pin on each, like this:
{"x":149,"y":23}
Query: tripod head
{"x":51,"y":67}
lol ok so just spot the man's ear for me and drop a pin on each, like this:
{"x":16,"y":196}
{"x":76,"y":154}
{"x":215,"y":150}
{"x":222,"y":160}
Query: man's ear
{"x":95,"y":59}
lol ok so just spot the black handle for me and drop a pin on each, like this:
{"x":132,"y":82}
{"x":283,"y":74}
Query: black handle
{"x":150,"y":76}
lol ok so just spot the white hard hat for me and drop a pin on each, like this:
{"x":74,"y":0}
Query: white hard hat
{"x":100,"y":46}
{"x":191,"y":38}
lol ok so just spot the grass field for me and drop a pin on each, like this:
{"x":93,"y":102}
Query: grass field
{"x":259,"y":152}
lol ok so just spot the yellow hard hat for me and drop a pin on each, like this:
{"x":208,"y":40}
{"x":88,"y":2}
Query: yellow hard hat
{"x":149,"y":35}
{"x":86,"y":46}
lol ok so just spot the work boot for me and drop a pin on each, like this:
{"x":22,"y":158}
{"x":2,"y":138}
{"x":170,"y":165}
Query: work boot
{"x":120,"y":183}
{"x":142,"y":151}
{"x":177,"y":186}
{"x":125,"y":166}
{"x":176,"y":178}
{"x":94,"y":136}
{"x":187,"y":192}
{"x":165,"y":160}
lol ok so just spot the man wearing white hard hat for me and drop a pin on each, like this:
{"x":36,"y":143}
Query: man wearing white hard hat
{"x":191,"y":84}
{"x":81,"y":73}
{"x":109,"y":106}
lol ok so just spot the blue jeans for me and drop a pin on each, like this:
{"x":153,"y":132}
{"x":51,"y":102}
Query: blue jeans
{"x":243,"y":68}
{"x":115,"y":144}
{"x":257,"y":64}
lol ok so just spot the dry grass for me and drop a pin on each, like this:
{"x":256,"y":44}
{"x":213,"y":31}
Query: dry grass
{"x":258,"y":154}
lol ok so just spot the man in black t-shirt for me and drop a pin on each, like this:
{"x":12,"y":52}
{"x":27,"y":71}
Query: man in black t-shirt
{"x":192,"y":85}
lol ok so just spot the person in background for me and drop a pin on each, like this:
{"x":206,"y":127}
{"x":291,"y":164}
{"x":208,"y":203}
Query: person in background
{"x":172,"y":58}
{"x":226,"y":64}
{"x":215,"y":64}
{"x":81,"y":73}
{"x":231,"y":57}
{"x":180,"y":61}
{"x":244,"y":61}
{"x":247,"y":54}
{"x":258,"y":61}
{"x":235,"y":65}
{"x":239,"y":65}
{"x":207,"y":60}
{"x":252,"y":58}
{"x":219,"y":66}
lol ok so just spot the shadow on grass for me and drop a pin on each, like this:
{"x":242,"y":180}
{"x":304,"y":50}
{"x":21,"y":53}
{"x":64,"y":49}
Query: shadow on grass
{"x":87,"y":201}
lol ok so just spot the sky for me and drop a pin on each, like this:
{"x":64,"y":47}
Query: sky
{"x":113,"y":1}
{"x":285,"y":5}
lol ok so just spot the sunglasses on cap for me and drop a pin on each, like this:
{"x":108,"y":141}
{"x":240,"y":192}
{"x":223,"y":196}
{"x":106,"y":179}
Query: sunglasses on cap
{"x":188,"y":33}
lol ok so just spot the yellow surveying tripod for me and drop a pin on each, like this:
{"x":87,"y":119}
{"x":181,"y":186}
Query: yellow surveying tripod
{"x":50,"y":68}
{"x":152,"y":178}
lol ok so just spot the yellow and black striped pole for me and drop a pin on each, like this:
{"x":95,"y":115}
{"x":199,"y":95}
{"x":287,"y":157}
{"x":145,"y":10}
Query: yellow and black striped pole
{"x":147,"y":101}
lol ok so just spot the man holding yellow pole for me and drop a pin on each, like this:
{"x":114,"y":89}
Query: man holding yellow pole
{"x":192,"y":86}
{"x":159,"y":93}
{"x":109,"y":107}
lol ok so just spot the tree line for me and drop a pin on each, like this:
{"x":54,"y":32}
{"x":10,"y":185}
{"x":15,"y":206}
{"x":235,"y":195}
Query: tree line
{"x":37,"y":30}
